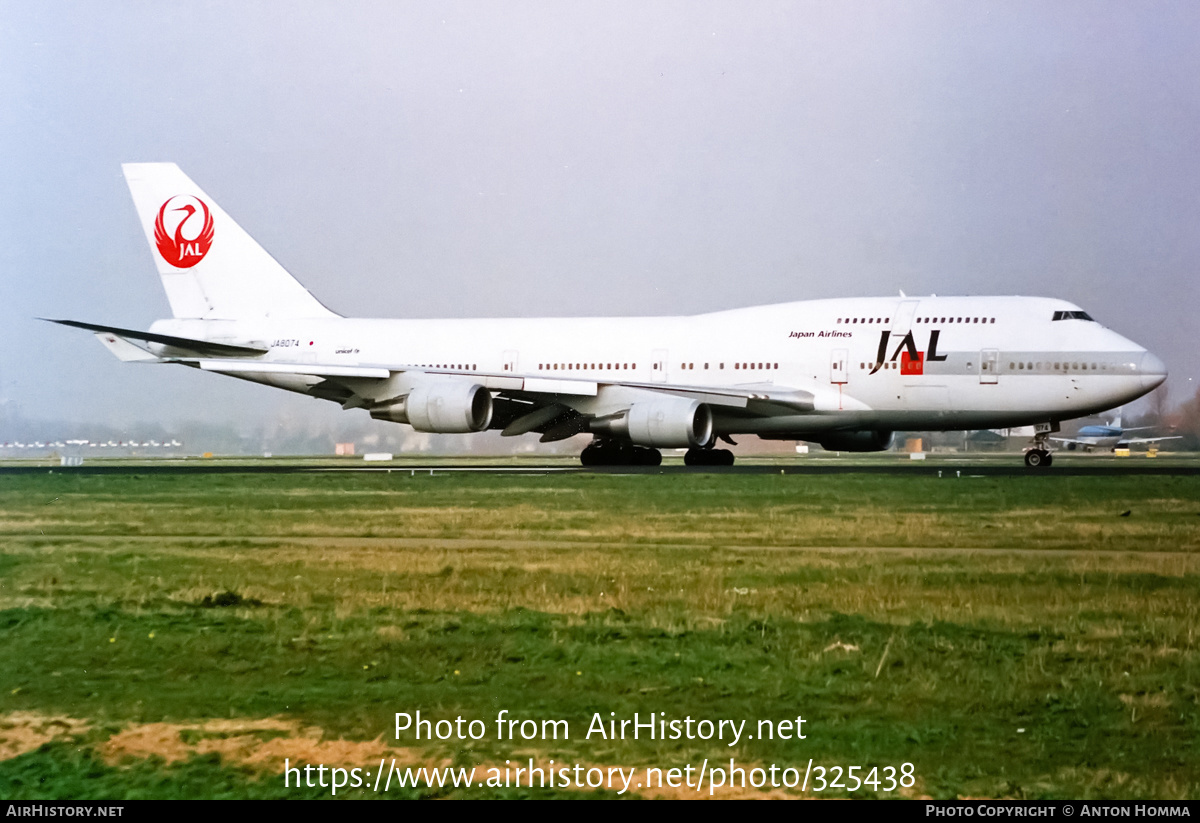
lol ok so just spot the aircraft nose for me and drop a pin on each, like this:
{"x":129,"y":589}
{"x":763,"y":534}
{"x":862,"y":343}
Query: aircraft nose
{"x":1152,"y":370}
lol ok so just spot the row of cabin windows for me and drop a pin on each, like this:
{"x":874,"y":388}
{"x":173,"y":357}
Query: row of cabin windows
{"x":626,"y":366}
{"x":459,"y":366}
{"x":689,"y":366}
{"x":868,"y":320}
{"x":1014,"y":366}
{"x":984,"y":320}
{"x":586,"y":366}
{"x":1062,"y":366}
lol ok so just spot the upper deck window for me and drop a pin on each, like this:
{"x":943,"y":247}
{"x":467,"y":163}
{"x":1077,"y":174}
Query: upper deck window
{"x":1072,"y":315}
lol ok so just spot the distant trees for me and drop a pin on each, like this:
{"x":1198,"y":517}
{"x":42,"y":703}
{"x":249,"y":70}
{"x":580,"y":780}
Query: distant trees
{"x":1187,"y":423}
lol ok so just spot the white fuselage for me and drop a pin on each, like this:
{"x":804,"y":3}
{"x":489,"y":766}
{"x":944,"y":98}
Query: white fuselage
{"x":868,"y":363}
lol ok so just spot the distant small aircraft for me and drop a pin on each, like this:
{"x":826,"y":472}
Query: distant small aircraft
{"x":845,"y":373}
{"x":1110,"y":436}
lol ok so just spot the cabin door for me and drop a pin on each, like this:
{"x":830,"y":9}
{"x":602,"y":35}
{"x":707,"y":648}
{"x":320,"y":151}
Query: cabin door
{"x":989,"y":366}
{"x":510,"y":361}
{"x":839,"y":368}
{"x":658,"y":371}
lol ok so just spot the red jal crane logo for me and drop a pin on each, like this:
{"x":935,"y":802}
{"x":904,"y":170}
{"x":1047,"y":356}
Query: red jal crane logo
{"x":192,"y":231}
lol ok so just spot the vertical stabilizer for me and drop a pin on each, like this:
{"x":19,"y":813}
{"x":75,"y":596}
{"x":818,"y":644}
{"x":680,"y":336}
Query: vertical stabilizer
{"x":210,"y":267}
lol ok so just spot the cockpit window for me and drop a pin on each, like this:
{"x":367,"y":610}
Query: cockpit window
{"x":1072,"y":315}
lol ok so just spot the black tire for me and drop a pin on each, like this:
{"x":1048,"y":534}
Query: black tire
{"x":1036,"y":458}
{"x":1049,"y":461}
{"x":708,"y":457}
{"x":647,"y":457}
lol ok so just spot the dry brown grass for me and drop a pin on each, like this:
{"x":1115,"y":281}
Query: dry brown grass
{"x":22,"y":732}
{"x":264,"y":744}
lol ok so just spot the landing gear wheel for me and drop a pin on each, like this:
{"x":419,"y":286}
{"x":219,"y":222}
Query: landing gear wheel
{"x":708,"y":457}
{"x":619,"y":454}
{"x":646,"y":457}
{"x":1037,"y":458}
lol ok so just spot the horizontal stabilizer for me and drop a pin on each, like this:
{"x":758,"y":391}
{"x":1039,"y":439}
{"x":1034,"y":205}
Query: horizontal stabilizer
{"x":184,"y":344}
{"x":125,"y":351}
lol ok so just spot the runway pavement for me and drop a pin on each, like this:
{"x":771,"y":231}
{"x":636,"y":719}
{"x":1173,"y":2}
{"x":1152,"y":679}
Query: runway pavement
{"x":956,"y":468}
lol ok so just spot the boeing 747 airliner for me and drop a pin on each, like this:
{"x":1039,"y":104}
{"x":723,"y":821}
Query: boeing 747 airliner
{"x":842,"y":373}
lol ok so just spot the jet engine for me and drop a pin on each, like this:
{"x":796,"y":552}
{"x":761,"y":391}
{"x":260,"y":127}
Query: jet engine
{"x":444,"y":407}
{"x":857,"y":441}
{"x":667,"y":422}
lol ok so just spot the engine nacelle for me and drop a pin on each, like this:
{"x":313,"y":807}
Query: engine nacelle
{"x":444,"y":407}
{"x":668,"y":422}
{"x":857,"y":441}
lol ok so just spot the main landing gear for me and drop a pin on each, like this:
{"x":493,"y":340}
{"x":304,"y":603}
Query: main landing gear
{"x":612,"y":452}
{"x":619,"y":453}
{"x":708,"y":457}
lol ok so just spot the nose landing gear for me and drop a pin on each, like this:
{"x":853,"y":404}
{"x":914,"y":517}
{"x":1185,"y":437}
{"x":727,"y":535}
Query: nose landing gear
{"x":1039,"y":456}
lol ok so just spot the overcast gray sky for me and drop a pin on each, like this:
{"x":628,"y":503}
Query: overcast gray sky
{"x":528,"y":159}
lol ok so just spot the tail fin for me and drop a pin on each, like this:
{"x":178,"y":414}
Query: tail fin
{"x":210,"y":267}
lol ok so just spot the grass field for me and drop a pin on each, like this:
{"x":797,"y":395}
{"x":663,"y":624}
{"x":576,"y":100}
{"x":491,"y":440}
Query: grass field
{"x":179,"y":636}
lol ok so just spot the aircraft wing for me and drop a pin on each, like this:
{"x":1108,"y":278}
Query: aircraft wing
{"x":527,"y":387}
{"x":1126,"y":442}
{"x":535,"y":396}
